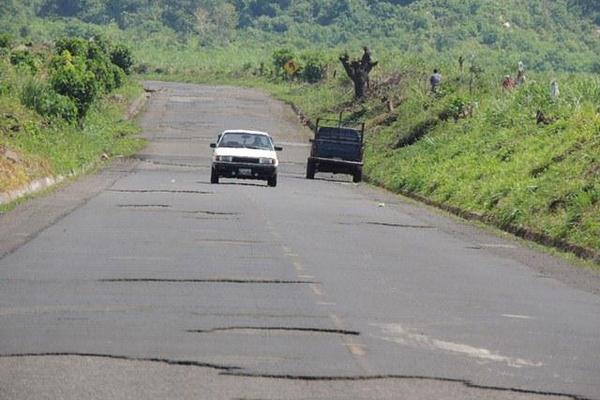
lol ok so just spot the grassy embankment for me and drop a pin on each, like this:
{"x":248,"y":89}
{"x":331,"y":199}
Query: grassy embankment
{"x":476,"y":146}
{"x":33,"y":146}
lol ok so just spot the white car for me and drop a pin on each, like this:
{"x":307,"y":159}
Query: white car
{"x":244,"y":154}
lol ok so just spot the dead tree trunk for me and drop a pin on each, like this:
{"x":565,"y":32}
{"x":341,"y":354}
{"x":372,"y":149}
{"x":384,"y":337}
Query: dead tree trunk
{"x":358,"y":71}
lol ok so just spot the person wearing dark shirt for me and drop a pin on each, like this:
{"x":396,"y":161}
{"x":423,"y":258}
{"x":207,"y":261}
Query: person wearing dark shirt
{"x":435,"y":80}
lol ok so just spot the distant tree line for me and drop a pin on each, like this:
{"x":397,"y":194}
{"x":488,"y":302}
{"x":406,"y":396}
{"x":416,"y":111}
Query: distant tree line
{"x":554,"y":34}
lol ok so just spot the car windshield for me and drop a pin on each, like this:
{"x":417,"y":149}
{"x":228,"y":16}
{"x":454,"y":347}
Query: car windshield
{"x":246,"y":140}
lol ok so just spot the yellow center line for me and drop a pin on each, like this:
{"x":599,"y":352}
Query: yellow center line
{"x":298,"y":266}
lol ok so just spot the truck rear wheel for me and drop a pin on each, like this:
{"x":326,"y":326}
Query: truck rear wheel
{"x":357,"y":177}
{"x":310,"y":170}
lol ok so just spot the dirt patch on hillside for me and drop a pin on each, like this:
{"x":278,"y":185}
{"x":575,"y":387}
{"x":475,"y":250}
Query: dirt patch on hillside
{"x":16,"y":169}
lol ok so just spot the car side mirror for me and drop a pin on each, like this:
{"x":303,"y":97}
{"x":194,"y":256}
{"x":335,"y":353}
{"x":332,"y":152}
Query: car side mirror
{"x":278,"y":148}
{"x":213,"y":145}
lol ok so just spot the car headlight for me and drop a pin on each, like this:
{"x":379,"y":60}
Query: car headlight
{"x":224,"y":158}
{"x":265,"y":160}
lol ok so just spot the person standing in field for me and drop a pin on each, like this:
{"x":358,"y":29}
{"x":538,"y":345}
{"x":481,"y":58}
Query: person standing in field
{"x":554,"y":90}
{"x":435,"y":81}
{"x":520,"y":74}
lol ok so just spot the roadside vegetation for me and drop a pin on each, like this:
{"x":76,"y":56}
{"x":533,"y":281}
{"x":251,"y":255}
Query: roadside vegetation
{"x":520,"y":157}
{"x":62,"y":108}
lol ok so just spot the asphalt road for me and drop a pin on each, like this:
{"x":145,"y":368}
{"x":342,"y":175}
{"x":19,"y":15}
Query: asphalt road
{"x":144,"y":281}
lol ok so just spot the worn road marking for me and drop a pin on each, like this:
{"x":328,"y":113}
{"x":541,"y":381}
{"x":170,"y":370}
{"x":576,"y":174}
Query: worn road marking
{"x":325,"y":303}
{"x":498,"y":246}
{"x":353,"y":347}
{"x":298,"y":266}
{"x":356,"y":349}
{"x":337,"y":321}
{"x":315,"y":288}
{"x":397,"y":334}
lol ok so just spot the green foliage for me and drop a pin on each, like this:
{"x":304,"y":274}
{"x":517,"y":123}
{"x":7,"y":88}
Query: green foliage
{"x":47,"y":102}
{"x":46,"y":129}
{"x":6,"y":41}
{"x":70,"y":77}
{"x":281,"y":57}
{"x":121,"y":56}
{"x":547,"y":35}
{"x":314,"y":68}
{"x":26,"y":59}
{"x":83,"y":69}
{"x":77,"y":47}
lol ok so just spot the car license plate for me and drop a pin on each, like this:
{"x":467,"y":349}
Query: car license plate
{"x":245,"y":171}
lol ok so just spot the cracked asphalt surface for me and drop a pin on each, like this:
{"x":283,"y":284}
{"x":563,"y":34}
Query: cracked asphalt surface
{"x":144,"y":281}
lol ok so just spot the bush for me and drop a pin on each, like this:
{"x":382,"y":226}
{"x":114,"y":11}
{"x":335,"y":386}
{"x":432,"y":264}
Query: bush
{"x":121,"y":56}
{"x":24,"y":58}
{"x":47,"y":102}
{"x":6,"y":41}
{"x":314,"y":68}
{"x":84,"y":69}
{"x":281,"y":57}
{"x":70,"y":77}
{"x":77,"y":47}
{"x":454,"y":108}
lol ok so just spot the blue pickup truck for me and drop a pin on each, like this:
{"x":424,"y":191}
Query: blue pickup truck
{"x":336,"y":149}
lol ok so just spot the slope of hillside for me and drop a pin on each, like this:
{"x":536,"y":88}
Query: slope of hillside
{"x":56,"y":115}
{"x":517,"y":159}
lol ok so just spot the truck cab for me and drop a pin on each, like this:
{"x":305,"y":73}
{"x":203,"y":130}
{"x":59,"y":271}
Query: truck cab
{"x":336,"y":149}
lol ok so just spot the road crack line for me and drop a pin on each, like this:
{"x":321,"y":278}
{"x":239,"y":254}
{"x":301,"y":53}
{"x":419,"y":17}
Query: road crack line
{"x":158,"y":191}
{"x":277,"y":328}
{"x":216,"y":280}
{"x":185,"y":363}
{"x":465,"y":382}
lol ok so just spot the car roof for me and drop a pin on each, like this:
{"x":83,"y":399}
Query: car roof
{"x":245,"y":131}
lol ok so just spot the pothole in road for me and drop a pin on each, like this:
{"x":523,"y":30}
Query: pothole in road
{"x":214,"y":280}
{"x":285,"y":329}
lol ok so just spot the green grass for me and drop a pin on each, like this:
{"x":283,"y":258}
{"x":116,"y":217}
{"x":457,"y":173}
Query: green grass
{"x":70,"y":148}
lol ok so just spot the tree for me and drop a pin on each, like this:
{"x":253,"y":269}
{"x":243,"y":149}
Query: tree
{"x":358,"y":71}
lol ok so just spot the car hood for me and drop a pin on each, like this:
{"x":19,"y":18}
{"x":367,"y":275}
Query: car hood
{"x":242,"y":152}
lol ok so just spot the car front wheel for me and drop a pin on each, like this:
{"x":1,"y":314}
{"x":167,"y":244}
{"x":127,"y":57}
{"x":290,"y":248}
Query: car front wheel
{"x":214,"y":177}
{"x":272,"y":181}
